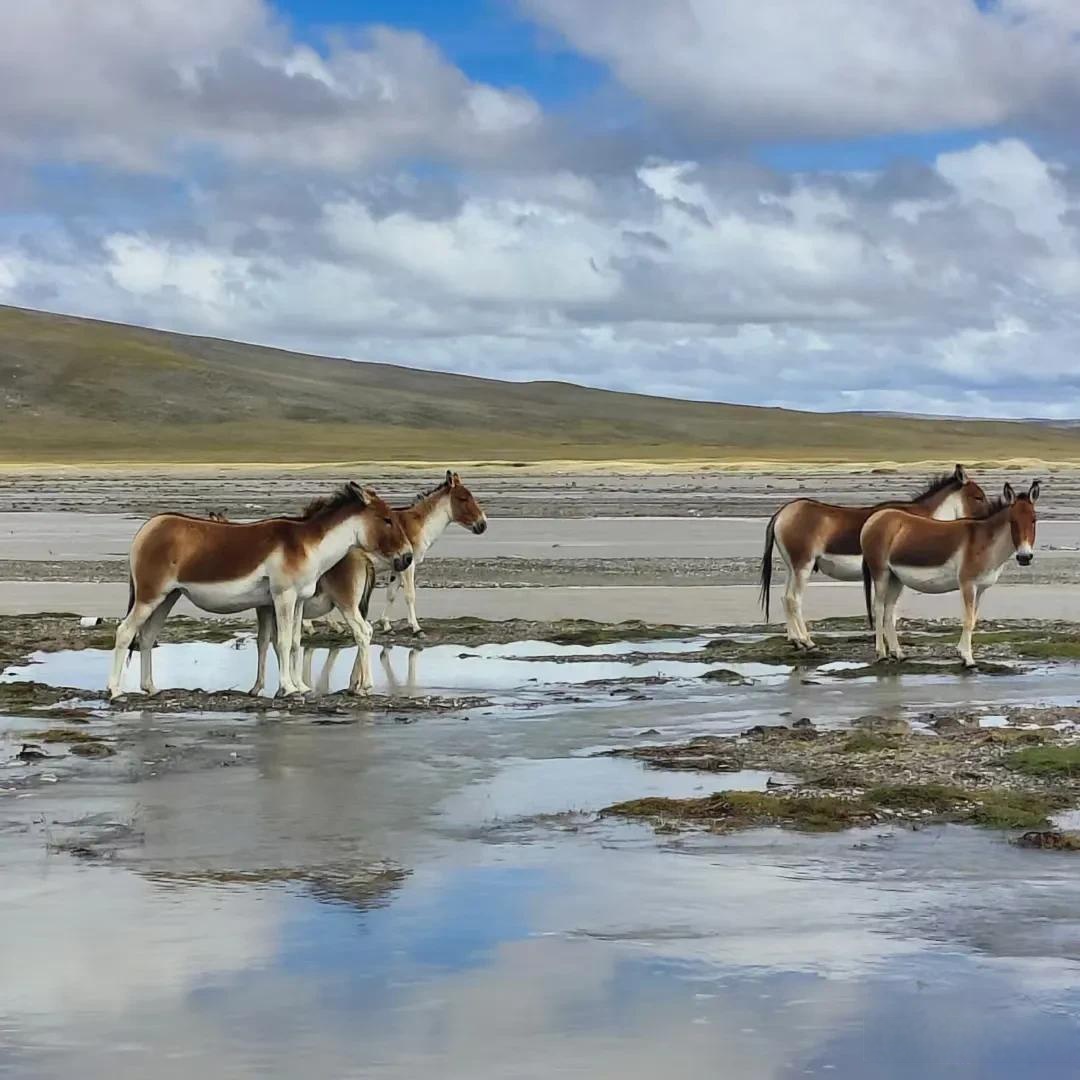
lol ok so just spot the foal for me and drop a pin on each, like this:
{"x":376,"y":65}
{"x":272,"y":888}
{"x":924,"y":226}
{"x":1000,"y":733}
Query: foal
{"x":225,"y":567}
{"x":812,"y":535}
{"x":900,"y":549}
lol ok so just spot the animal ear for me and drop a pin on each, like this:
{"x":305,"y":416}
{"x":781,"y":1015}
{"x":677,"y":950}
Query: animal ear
{"x":960,"y":475}
{"x":451,"y":478}
{"x":456,"y":480}
{"x":1008,"y":494}
{"x":1035,"y":490}
{"x":356,"y":491}
{"x":368,"y":495}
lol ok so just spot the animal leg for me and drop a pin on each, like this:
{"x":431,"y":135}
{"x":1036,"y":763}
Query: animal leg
{"x":298,"y":660}
{"x":800,"y":622}
{"x":284,"y":611}
{"x":125,"y":634}
{"x":392,"y":587}
{"x":148,"y":636}
{"x":795,"y":582}
{"x":970,"y":597}
{"x":409,"y":581}
{"x":881,"y":585}
{"x":413,"y":655}
{"x":893,"y":589}
{"x":361,"y":679}
{"x":265,"y":620}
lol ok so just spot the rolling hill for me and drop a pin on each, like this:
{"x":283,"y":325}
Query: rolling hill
{"x":80,"y":391}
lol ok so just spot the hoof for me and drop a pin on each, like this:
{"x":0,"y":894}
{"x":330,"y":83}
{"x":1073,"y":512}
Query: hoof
{"x":418,"y":632}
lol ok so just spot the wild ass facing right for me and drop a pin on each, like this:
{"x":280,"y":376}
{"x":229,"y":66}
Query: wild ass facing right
{"x":902,"y":550}
{"x":812,"y":535}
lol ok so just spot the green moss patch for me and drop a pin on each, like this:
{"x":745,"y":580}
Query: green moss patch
{"x":1046,"y":761}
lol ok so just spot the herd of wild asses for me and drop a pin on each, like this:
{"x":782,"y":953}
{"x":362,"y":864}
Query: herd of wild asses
{"x":949,"y":537}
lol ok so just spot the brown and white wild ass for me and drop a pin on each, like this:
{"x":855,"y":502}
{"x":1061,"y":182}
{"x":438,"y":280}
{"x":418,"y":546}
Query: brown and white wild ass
{"x":901,"y":550}
{"x":346,"y":587}
{"x":424,"y":522}
{"x":812,"y":535}
{"x":226,"y":567}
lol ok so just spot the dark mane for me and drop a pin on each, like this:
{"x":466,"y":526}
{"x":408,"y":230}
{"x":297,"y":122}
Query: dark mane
{"x":324,"y":504}
{"x":934,"y":485}
{"x":420,"y":496}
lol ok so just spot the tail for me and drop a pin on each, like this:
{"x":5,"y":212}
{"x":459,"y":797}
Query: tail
{"x":134,"y":646}
{"x":369,"y":588}
{"x":766,"y":565}
{"x":867,"y":585}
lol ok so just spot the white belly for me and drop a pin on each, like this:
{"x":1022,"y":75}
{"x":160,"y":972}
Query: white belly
{"x":841,"y":567}
{"x":928,"y":579}
{"x":227,"y":597}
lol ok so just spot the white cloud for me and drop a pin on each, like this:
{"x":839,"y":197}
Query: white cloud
{"x":678,"y":281}
{"x":836,"y":68}
{"x":287,"y":208}
{"x":140,"y":85}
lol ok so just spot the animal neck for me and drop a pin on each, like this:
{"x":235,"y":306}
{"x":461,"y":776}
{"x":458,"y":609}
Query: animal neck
{"x":998,"y":530}
{"x":430,"y":519}
{"x":334,"y":535}
{"x":944,"y":505}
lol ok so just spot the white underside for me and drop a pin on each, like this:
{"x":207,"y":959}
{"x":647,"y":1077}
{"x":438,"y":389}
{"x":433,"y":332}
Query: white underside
{"x":229,"y":597}
{"x":928,"y":579}
{"x":841,"y":567}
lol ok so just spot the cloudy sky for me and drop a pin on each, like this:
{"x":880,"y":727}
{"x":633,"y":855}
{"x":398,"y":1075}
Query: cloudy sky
{"x":865,"y":204}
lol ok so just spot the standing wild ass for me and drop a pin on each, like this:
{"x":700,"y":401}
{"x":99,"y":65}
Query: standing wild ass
{"x":424,"y":522}
{"x":812,"y":535}
{"x":226,"y":567}
{"x":347,"y":586}
{"x":901,"y":550}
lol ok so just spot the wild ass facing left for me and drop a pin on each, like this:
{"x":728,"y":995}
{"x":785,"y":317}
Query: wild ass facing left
{"x":226,"y":567}
{"x":901,"y":550}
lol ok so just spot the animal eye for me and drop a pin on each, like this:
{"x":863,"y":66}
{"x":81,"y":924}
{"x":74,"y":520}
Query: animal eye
{"x":386,"y":521}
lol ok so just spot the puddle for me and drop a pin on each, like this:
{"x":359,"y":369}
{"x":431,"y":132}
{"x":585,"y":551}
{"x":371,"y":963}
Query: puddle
{"x":214,"y":666}
{"x":210,"y":938}
{"x":525,"y":789}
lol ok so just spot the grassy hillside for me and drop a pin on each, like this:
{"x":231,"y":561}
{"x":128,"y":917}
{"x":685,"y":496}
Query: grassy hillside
{"x":80,"y":391}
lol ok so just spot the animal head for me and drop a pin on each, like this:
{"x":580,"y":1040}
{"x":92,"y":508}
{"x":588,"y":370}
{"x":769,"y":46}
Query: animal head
{"x":379,"y":533}
{"x":464,"y":509}
{"x":1022,"y":519}
{"x":961,"y":496}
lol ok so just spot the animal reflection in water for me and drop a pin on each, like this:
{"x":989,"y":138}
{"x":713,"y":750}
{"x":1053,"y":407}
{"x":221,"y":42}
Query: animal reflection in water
{"x":394,"y":686}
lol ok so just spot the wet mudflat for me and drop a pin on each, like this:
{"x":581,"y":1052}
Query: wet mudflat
{"x":424,"y":884}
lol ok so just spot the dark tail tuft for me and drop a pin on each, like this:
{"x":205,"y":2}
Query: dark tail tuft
{"x":369,"y":588}
{"x":766,"y":566}
{"x":867,"y":585}
{"x":134,"y":646}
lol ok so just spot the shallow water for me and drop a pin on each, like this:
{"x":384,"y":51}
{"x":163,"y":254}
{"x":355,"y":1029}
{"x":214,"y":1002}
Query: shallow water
{"x":438,"y":899}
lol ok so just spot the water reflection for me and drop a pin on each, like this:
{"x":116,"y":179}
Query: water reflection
{"x":539,"y":961}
